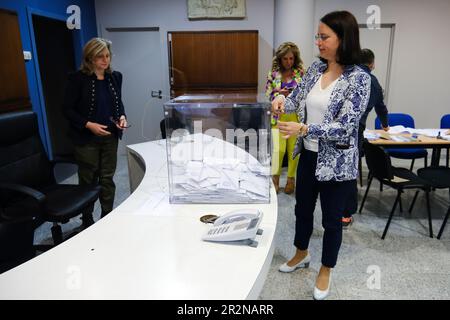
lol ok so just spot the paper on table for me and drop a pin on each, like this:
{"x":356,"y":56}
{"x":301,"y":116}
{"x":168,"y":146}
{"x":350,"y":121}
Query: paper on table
{"x":402,"y":138}
{"x":428,"y":132}
{"x":399,"y":129}
{"x":152,"y":202}
{"x":385,"y":135}
{"x":369,"y":135}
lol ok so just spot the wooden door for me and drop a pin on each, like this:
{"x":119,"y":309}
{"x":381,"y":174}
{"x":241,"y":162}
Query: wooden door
{"x":14,"y":93}
{"x":213,"y":62}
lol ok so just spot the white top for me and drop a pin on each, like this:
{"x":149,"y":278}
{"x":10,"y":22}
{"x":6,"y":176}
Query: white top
{"x":316,"y":106}
{"x":147,"y":248}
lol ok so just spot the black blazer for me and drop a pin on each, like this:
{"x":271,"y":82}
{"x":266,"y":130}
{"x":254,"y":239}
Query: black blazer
{"x":80,"y":103}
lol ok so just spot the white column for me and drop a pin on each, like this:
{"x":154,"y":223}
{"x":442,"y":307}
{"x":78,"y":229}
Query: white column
{"x":294,"y":21}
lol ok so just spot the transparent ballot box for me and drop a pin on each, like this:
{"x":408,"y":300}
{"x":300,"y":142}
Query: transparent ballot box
{"x":218,"y":149}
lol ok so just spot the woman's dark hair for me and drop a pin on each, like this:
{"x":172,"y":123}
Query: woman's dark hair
{"x":344,"y":24}
{"x":367,"y":56}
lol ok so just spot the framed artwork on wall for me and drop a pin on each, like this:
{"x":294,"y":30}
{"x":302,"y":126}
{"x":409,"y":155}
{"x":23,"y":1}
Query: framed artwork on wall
{"x":216,"y":9}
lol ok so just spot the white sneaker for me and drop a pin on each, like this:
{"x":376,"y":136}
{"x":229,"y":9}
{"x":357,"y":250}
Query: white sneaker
{"x":302,"y":264}
{"x":322,"y":294}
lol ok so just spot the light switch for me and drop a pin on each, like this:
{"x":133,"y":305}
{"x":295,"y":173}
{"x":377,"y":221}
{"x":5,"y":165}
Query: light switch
{"x":27,"y":55}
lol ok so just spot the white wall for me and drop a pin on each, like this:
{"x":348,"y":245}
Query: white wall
{"x":420,"y":74}
{"x":294,"y":21}
{"x":171,"y":15}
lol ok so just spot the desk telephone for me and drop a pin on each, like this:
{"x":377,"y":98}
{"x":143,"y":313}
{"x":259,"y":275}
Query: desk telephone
{"x":236,"y":225}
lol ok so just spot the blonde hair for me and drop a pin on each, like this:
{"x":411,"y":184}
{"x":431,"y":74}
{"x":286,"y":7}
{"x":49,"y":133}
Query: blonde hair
{"x":93,"y":48}
{"x":284,"y":49}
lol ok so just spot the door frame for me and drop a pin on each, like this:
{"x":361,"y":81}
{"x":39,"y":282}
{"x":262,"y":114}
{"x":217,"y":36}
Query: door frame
{"x":104,"y":31}
{"x":41,"y":108}
{"x":390,"y":54}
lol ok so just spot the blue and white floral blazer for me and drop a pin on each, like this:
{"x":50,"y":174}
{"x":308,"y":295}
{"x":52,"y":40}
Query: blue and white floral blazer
{"x":337,"y":135}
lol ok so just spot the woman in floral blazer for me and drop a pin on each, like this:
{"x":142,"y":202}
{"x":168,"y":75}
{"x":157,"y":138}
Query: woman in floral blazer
{"x":286,"y":73}
{"x":330,"y":101}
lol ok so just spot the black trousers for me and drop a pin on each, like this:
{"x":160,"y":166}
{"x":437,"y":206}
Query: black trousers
{"x":333,"y":198}
{"x":352,"y":200}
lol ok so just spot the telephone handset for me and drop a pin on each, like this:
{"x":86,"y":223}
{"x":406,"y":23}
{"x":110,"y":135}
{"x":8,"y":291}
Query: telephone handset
{"x":237,"y":215}
{"x":234,"y":226}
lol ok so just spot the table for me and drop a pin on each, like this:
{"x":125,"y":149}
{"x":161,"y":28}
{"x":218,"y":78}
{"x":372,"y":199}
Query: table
{"x":147,"y":248}
{"x":422,"y":142}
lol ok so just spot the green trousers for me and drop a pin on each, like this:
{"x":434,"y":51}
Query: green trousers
{"x":281,"y":146}
{"x":97,"y":162}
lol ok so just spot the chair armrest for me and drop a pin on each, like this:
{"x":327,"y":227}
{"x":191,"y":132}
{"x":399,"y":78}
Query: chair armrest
{"x":38,"y":196}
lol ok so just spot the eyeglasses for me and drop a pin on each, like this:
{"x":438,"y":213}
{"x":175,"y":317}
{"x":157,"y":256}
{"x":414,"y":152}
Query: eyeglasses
{"x":117,"y":123}
{"x":321,"y":37}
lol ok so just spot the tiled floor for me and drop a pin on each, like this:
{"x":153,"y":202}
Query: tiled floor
{"x":406,"y":265}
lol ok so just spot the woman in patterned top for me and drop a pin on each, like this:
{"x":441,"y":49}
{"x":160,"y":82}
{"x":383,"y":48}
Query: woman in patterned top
{"x":286,"y":73}
{"x":329,"y":101}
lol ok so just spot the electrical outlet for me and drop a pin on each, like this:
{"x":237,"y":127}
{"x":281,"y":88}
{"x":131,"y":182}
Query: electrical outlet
{"x":27,"y":55}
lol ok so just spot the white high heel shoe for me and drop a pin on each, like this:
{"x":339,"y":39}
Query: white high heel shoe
{"x":322,"y":294}
{"x":302,"y":264}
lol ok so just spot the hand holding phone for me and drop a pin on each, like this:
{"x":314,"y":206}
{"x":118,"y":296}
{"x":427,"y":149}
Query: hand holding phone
{"x":121,"y":123}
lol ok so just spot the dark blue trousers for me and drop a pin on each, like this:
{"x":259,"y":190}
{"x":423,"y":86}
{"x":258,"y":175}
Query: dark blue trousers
{"x":352,"y":202}
{"x":333,"y":197}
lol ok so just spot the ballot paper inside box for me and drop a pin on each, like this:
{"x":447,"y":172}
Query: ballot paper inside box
{"x":218,"y":149}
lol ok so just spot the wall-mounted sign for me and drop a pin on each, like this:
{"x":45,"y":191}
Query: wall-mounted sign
{"x":216,"y":9}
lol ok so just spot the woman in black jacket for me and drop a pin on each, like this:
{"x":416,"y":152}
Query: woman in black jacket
{"x":93,"y":105}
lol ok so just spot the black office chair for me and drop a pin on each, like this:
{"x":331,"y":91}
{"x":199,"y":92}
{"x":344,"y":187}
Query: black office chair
{"x":29,"y":193}
{"x":438,"y":178}
{"x":16,"y":241}
{"x":379,"y":164}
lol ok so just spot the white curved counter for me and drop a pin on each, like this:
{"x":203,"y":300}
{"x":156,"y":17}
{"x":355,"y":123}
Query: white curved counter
{"x":148,"y":249}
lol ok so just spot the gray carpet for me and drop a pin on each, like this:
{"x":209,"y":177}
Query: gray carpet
{"x":406,"y":265}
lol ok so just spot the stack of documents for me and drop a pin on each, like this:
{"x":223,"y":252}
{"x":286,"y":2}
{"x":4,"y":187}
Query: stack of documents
{"x":395,"y":130}
{"x":370,"y":135}
{"x":398,"y":138}
{"x":218,"y":181}
{"x":217,"y":173}
{"x":433,"y":133}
